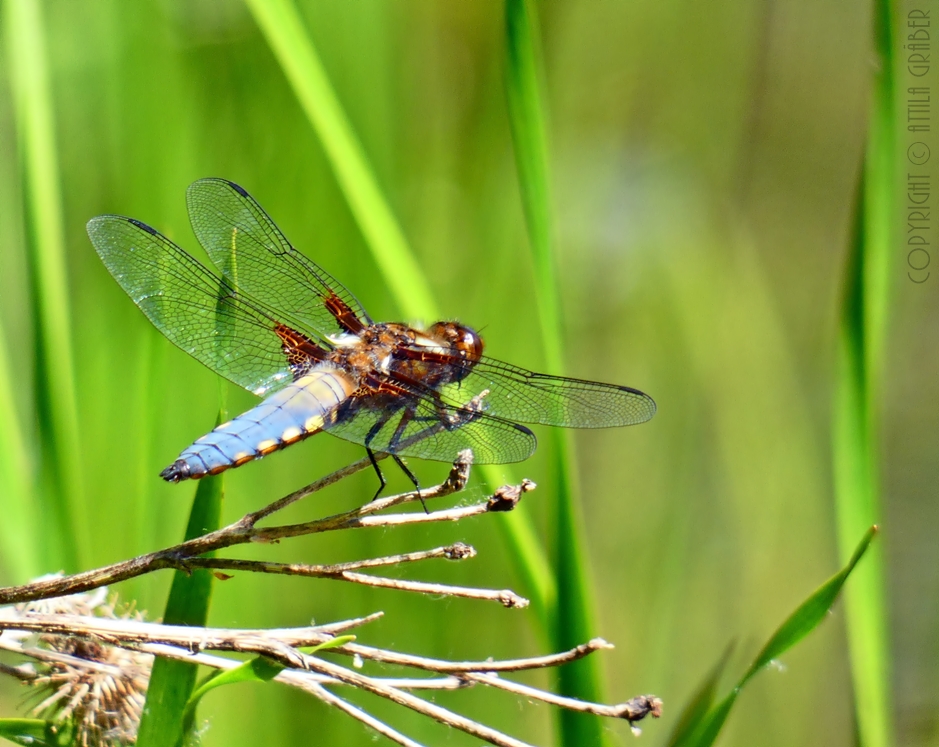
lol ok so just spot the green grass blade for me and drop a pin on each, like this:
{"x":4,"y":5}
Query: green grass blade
{"x":55,"y":391}
{"x":809,"y":614}
{"x":284,"y":31}
{"x":531,"y":153}
{"x":147,"y":401}
{"x":32,"y":732}
{"x":18,"y":528}
{"x":573,"y":618}
{"x":172,"y":682}
{"x":572,"y":622}
{"x":714,"y":721}
{"x":854,"y":428}
{"x":799,"y":624}
{"x":258,"y":669}
{"x":281,"y":25}
{"x":697,"y":708}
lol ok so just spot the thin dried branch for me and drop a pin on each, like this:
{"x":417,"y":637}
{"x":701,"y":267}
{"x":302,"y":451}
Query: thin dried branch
{"x":456,"y":551}
{"x":293,"y":677}
{"x":364,"y":516}
{"x":244,"y":531}
{"x":314,"y":487}
{"x":345,"y":625}
{"x":505,"y":597}
{"x":358,"y":714}
{"x":402,"y":698}
{"x":130,"y":632}
{"x":121,"y":632}
{"x":504,"y":499}
{"x":632,"y":710}
{"x":125,"y":632}
{"x":346,"y":572}
{"x":456,"y":667}
{"x":311,"y":673}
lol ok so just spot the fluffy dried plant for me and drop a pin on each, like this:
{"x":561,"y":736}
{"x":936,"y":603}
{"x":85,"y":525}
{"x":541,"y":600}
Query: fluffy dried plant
{"x":90,"y":689}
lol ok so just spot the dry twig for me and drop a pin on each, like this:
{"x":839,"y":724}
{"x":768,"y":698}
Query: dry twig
{"x":314,"y":673}
{"x":70,"y":622}
{"x":245,"y":530}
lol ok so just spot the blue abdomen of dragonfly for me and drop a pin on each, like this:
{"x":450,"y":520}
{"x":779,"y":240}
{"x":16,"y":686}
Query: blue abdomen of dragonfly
{"x":301,"y":409}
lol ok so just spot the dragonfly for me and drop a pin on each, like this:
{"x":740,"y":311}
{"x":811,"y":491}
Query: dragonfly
{"x":272,"y":321}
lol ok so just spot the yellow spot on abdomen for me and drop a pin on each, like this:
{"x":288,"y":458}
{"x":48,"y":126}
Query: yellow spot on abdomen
{"x":243,"y":457}
{"x":266,"y":447}
{"x":291,"y":434}
{"x":313,"y":424}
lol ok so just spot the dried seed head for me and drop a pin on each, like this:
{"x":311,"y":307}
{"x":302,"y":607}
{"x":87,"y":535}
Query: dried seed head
{"x":96,"y":689}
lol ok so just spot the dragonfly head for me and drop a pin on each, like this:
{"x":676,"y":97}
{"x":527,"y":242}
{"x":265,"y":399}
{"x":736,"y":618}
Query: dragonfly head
{"x":459,"y":338}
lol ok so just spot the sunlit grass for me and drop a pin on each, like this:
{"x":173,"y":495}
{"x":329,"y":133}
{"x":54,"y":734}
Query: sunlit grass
{"x":703,"y":719}
{"x":18,"y":537}
{"x":62,"y":488}
{"x":855,"y":427}
{"x":282,"y":27}
{"x":572,"y":621}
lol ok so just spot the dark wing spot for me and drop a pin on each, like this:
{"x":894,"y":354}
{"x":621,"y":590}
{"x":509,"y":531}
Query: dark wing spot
{"x":144,"y":226}
{"x":237,"y":188}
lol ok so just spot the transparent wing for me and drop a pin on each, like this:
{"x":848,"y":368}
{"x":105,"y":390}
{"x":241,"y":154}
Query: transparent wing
{"x":418,"y":427}
{"x":524,"y":396}
{"x":528,"y":397}
{"x":254,"y":256}
{"x":196,"y":310}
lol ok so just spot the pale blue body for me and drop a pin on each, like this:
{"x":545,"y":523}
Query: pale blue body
{"x":301,"y":409}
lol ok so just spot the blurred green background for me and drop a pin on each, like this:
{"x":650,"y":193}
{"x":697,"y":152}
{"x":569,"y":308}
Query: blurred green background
{"x":704,"y":165}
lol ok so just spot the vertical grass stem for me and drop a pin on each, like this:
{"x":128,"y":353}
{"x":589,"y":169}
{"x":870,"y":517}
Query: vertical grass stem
{"x":573,"y":613}
{"x":854,"y":431}
{"x":56,"y":399}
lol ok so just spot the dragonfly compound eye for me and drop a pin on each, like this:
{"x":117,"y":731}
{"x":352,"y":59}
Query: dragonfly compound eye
{"x":460,"y":338}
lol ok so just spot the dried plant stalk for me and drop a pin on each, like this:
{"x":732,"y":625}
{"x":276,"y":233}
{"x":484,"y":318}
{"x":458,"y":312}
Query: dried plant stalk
{"x":92,"y":663}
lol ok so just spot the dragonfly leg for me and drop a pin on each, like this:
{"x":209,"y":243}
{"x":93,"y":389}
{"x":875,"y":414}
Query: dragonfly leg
{"x":381,"y":477}
{"x":406,"y":418}
{"x":412,"y":478}
{"x":399,"y":430}
{"x":369,"y":437}
{"x":383,"y":482}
